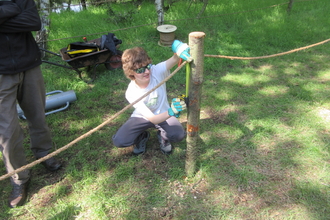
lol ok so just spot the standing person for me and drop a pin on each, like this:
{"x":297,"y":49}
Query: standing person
{"x":21,"y":80}
{"x":154,"y":110}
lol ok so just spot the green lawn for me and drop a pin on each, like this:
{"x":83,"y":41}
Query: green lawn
{"x":263,"y":151}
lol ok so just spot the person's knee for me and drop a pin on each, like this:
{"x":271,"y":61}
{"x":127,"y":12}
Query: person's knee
{"x":119,"y":142}
{"x":177,"y":137}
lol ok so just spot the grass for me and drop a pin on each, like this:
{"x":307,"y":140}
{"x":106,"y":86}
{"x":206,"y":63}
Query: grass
{"x":263,"y":151}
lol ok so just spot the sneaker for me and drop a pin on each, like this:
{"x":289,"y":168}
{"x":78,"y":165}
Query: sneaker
{"x":165,"y":146}
{"x":141,"y":143}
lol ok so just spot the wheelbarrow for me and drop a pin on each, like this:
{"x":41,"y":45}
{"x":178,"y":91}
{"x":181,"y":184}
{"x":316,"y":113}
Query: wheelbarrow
{"x":110,"y":59}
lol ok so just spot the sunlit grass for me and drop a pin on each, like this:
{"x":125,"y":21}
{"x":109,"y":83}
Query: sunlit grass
{"x":263,"y":151}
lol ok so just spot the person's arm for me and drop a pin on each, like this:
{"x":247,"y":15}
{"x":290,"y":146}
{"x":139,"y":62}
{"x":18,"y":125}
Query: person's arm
{"x":177,"y":106}
{"x":172,"y":61}
{"x":156,"y":119}
{"x":27,"y":20}
{"x":148,"y":114}
{"x":8,"y":9}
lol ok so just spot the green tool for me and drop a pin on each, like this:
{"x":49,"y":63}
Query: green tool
{"x":185,"y":97}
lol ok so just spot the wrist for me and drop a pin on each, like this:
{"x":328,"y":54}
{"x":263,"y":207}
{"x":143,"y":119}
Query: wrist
{"x":170,"y":112}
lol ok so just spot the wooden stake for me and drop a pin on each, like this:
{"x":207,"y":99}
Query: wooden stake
{"x":196,"y":44}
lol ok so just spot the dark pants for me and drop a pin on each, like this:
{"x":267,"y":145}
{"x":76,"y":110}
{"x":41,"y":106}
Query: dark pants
{"x":29,"y":91}
{"x":171,"y":130}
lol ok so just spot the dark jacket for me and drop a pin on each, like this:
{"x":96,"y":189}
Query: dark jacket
{"x":18,"y":50}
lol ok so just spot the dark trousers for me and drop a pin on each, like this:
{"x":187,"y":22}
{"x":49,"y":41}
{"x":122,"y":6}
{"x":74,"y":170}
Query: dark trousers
{"x":171,"y":130}
{"x":26,"y":88}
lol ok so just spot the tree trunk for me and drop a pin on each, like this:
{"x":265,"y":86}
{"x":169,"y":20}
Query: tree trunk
{"x":42,"y":35}
{"x":83,"y":3}
{"x":204,"y":7}
{"x":69,"y":5}
{"x":290,"y":6}
{"x":160,"y":11}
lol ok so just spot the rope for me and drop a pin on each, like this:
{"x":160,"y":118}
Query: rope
{"x":268,"y":56}
{"x":91,"y":131}
{"x":130,"y":105}
{"x":139,"y":99}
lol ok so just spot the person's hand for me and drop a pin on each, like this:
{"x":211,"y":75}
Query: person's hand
{"x":177,"y":106}
{"x":182,"y":50}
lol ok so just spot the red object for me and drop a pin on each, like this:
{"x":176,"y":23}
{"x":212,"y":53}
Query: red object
{"x":180,"y":61}
{"x":85,"y":39}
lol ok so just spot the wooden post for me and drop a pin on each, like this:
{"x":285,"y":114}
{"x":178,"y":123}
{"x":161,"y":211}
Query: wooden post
{"x":196,"y":44}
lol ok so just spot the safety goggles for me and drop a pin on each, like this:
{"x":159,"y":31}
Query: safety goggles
{"x":143,"y":69}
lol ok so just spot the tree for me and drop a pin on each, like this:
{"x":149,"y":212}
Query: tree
{"x":83,"y":3}
{"x":42,"y":35}
{"x":290,"y":6}
{"x":204,"y":6}
{"x":203,"y":9}
{"x":160,"y":11}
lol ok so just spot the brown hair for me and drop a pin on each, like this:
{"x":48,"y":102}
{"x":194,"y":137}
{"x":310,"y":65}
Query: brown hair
{"x":133,"y":59}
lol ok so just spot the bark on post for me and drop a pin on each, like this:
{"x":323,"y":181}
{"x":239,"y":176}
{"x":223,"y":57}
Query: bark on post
{"x":196,"y":44}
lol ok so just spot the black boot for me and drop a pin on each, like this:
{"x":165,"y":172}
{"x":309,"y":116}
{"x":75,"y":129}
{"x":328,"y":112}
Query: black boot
{"x":18,"y":195}
{"x":51,"y":164}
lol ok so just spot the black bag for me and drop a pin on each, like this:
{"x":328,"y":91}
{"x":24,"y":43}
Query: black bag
{"x":110,"y":41}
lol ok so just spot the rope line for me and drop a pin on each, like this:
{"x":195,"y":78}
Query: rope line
{"x":30,"y":165}
{"x":267,"y":56}
{"x":239,"y":12}
{"x":139,"y":99}
{"x":130,"y":105}
{"x":91,"y":131}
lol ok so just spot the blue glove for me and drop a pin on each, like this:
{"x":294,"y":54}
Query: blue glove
{"x":182,"y":50}
{"x":177,"y":106}
{"x":171,"y":113}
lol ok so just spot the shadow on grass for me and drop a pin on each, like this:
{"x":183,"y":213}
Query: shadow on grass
{"x":259,"y":135}
{"x":247,"y":163}
{"x":256,"y":127}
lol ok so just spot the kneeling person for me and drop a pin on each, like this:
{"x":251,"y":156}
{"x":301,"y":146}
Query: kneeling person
{"x":153,"y":110}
